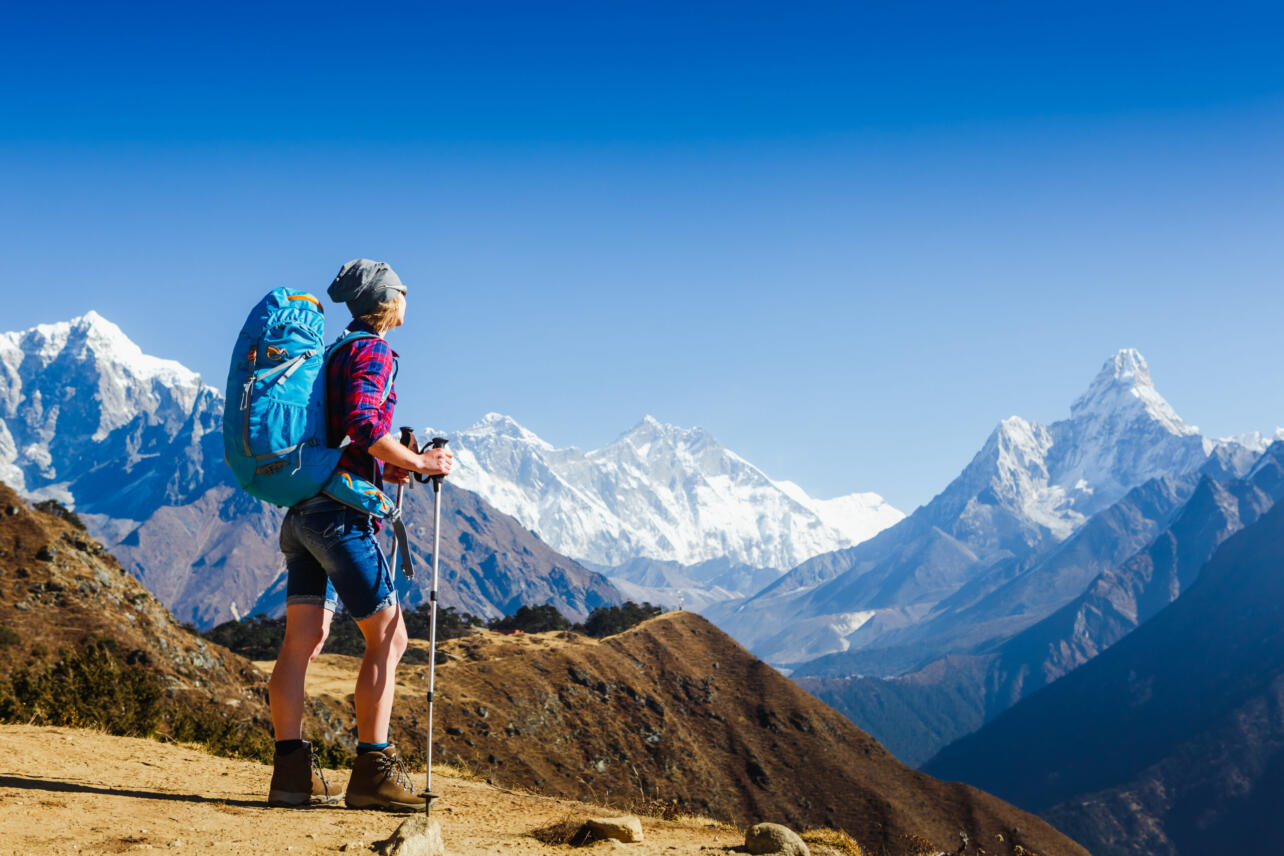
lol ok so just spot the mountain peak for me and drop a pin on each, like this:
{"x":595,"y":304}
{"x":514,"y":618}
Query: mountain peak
{"x":650,"y":430}
{"x":1127,"y":367}
{"x":501,"y":425}
{"x":1124,"y":384}
{"x":92,"y":337}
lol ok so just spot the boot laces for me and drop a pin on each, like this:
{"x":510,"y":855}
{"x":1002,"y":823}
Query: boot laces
{"x":394,"y":766}
{"x":316,"y":768}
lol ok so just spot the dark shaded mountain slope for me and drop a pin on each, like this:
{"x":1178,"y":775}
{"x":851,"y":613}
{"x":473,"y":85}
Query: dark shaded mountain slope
{"x":1171,"y":741}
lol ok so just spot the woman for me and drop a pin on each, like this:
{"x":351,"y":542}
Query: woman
{"x":331,"y":555}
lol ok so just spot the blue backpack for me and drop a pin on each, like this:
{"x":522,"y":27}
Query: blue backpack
{"x":274,"y":425}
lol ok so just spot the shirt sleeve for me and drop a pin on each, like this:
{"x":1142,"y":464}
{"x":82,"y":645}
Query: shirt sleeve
{"x":370,"y":369}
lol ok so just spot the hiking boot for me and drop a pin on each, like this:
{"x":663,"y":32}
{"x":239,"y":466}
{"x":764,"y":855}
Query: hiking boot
{"x":297,"y":781}
{"x":380,"y":780}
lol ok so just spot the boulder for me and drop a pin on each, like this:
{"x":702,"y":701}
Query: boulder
{"x":627,"y":828}
{"x":418,"y":836}
{"x":775,"y":839}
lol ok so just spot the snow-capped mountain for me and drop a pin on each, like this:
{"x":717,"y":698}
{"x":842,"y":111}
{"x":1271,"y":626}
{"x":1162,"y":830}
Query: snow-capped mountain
{"x":133,"y":444}
{"x":658,"y":492}
{"x":90,"y":420}
{"x":1028,"y":490}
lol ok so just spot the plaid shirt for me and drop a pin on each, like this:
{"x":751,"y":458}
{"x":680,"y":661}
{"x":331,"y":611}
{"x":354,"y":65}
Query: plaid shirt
{"x":355,"y":380}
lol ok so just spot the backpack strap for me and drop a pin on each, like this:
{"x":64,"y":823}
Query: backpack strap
{"x":393,"y":516}
{"x":351,"y":336}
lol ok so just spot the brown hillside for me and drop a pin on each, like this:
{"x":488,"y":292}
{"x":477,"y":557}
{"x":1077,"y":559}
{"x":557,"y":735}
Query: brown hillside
{"x":675,"y":713}
{"x":84,"y":643}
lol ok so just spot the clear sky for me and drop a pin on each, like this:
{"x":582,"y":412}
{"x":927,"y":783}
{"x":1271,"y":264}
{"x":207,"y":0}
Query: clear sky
{"x":845,"y":238}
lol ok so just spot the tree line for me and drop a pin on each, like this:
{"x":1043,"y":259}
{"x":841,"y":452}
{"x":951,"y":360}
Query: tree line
{"x":259,"y":637}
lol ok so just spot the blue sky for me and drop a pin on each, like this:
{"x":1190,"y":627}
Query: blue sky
{"x":846,"y":239}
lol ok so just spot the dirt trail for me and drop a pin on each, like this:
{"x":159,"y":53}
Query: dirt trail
{"x":67,"y":791}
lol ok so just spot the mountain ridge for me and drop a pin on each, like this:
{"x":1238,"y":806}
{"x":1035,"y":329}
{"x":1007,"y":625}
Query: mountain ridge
{"x":1028,"y":489}
{"x":658,"y":492}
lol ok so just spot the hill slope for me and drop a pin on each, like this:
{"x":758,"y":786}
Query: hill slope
{"x":675,"y":713}
{"x":83,"y":643}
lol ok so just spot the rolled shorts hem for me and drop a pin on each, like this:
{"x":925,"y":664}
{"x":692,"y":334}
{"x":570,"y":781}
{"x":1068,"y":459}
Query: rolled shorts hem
{"x":389,"y":601}
{"x":312,"y":600}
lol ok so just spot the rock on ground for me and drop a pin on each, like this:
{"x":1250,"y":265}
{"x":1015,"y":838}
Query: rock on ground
{"x":627,"y":829}
{"x":418,"y":836}
{"x":775,"y":839}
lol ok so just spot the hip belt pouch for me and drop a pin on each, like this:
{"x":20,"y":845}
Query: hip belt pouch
{"x":362,"y":495}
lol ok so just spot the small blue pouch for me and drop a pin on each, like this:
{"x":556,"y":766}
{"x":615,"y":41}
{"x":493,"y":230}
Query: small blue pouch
{"x":356,"y":492}
{"x":360,"y":494}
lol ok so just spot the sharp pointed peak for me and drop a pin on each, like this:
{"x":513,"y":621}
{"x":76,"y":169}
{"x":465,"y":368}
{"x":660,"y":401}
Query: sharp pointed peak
{"x":1124,"y":383}
{"x":1127,"y":366}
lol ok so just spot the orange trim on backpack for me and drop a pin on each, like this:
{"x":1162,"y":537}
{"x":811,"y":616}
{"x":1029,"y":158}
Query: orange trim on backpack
{"x":275,"y":353}
{"x":308,"y":298}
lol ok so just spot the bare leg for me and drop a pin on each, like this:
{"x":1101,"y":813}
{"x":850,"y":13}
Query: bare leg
{"x":306,"y":626}
{"x":386,"y":641}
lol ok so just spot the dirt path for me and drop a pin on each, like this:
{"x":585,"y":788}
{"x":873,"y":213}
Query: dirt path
{"x":66,"y":791}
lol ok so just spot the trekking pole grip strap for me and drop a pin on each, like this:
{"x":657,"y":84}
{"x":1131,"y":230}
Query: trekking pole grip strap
{"x":435,"y":443}
{"x":403,"y":547}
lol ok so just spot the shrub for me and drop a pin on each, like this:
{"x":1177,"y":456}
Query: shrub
{"x":609,"y":620}
{"x":57,"y":509}
{"x":92,"y":686}
{"x":451,"y":623}
{"x":531,"y":619}
{"x":345,"y":636}
{"x":88,"y":687}
{"x":257,"y":637}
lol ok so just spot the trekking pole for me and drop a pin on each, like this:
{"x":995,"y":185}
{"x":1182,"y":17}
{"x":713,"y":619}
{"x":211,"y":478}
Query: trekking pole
{"x":408,"y":440}
{"x":437,"y":443}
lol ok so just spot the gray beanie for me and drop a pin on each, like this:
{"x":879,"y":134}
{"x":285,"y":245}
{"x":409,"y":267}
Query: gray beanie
{"x":364,"y":285}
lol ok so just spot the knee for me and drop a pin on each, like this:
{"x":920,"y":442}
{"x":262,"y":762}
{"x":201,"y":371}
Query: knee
{"x":304,"y":643}
{"x":396,"y":643}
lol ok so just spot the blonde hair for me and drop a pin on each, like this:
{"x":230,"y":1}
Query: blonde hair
{"x":383,"y":317}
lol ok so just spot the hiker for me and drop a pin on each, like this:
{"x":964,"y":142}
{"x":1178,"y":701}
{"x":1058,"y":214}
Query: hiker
{"x":331,"y":555}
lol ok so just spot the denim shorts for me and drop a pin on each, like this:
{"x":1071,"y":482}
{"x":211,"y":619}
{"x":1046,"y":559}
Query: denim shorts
{"x":331,"y":555}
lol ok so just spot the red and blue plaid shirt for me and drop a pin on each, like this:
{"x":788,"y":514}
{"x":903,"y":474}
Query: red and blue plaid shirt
{"x":355,"y":380}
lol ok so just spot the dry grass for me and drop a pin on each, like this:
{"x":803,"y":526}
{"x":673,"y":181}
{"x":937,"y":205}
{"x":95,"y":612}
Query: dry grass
{"x":570,"y":830}
{"x":457,"y":771}
{"x":699,"y":821}
{"x":835,"y":840}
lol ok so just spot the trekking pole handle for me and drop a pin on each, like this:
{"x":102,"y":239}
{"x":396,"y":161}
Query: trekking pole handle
{"x":408,"y":438}
{"x":437,"y":443}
